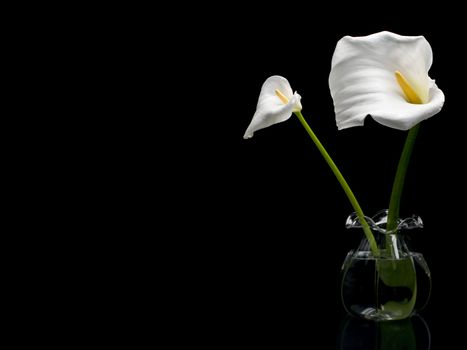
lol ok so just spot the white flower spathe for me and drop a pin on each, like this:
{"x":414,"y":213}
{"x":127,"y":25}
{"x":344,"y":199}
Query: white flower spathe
{"x":363,"y":80}
{"x":276,"y":104}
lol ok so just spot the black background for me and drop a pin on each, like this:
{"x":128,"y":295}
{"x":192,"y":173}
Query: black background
{"x":181,"y":224}
{"x":267,"y":215}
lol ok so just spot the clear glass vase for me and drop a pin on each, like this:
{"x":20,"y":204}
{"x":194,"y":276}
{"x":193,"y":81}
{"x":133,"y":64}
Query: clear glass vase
{"x":392,"y":285}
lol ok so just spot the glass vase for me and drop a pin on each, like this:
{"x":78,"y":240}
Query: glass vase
{"x":391,"y":285}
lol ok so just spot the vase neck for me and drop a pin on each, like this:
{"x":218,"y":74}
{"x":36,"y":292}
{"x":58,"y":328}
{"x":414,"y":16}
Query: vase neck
{"x":390,"y":245}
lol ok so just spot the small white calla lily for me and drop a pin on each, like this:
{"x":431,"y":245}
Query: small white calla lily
{"x":384,"y":75}
{"x":276,"y":104}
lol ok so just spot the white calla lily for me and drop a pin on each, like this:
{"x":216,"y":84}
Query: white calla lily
{"x":384,"y":75}
{"x":276,"y":104}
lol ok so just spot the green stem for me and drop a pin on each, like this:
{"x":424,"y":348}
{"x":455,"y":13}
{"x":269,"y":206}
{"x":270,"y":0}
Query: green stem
{"x":398,"y":185}
{"x":345,"y":186}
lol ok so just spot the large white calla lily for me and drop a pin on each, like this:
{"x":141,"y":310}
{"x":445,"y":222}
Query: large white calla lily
{"x":276,"y":104}
{"x":384,"y":75}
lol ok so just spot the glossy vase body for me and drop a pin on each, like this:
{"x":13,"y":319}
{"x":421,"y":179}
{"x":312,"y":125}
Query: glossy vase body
{"x":389,"y":285}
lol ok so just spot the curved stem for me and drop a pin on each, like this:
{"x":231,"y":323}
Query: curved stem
{"x":345,"y":186}
{"x":394,"y":203}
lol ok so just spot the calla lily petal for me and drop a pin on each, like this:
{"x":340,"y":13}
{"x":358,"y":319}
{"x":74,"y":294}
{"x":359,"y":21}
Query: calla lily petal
{"x":271,"y":109}
{"x":362,"y":80}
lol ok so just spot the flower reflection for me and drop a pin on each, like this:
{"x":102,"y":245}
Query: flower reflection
{"x":410,"y":334}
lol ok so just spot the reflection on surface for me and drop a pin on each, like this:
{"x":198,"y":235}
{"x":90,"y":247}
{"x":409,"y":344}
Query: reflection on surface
{"x":409,"y":334}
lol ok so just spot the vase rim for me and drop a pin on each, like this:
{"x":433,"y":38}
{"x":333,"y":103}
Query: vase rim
{"x":378,"y":222}
{"x":366,"y":255}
